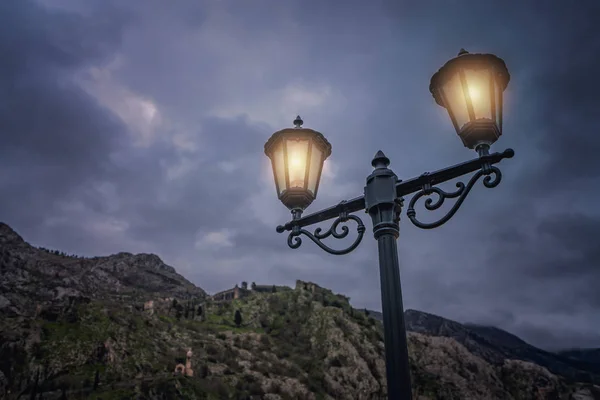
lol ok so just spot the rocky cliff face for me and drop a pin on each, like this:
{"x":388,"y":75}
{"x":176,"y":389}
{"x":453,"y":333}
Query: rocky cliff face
{"x":31,"y":278}
{"x":117,"y":327}
{"x":495,"y":346}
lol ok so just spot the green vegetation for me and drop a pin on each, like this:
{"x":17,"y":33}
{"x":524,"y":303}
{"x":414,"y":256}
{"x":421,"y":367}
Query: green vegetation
{"x":102,"y":350}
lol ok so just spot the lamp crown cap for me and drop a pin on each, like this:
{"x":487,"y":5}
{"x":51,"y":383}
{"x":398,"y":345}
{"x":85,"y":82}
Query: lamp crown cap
{"x":462,"y":51}
{"x":298,"y":122}
{"x":380,"y":160}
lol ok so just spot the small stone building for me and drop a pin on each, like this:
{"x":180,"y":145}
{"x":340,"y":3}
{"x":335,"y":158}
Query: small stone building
{"x":301,"y":285}
{"x":261,"y":288}
{"x":149,"y":307}
{"x":186,"y":369}
{"x":228,"y":294}
{"x":238,"y":292}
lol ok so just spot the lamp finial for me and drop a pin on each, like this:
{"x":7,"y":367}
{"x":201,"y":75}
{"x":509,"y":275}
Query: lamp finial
{"x":380,"y":160}
{"x":298,"y":122}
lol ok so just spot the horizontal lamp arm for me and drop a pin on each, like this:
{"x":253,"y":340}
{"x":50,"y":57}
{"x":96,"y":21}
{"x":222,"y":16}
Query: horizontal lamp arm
{"x":403,"y":188}
{"x":413,"y":185}
{"x":350,"y":206}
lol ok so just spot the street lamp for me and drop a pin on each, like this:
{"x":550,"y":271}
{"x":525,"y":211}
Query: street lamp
{"x":470,"y":87}
{"x":297,"y":155}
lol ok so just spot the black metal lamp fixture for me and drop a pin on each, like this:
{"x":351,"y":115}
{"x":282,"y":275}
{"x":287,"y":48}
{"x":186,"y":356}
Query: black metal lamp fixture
{"x":470,"y":87}
{"x":297,"y":155}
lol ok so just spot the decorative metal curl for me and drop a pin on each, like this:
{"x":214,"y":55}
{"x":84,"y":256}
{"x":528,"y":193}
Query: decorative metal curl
{"x":294,"y":241}
{"x":461,"y":192}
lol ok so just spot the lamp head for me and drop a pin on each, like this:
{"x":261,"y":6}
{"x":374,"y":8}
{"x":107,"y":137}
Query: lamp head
{"x":470,"y":87}
{"x":297,"y":156}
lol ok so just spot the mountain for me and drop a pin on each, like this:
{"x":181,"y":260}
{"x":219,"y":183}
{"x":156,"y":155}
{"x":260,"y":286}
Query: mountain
{"x":129,"y":327}
{"x":587,"y":358}
{"x":587,"y":355}
{"x":495,"y":345}
{"x":31,"y":277}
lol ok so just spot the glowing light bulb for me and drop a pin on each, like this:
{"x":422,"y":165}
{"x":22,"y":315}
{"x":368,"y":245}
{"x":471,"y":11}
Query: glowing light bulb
{"x":296,"y":171}
{"x":474,"y":93}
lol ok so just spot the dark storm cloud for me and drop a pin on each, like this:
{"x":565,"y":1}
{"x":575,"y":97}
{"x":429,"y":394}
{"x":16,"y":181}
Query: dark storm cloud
{"x":542,"y":257}
{"x":568,"y":247}
{"x":208,"y":205}
{"x":565,"y":86}
{"x":54,"y":135}
{"x":552,"y":253}
{"x":140,"y":127}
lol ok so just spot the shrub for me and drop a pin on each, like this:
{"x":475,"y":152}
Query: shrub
{"x":238,"y":318}
{"x":249,"y":385}
{"x":335,"y":362}
{"x":275,"y":388}
{"x":264,"y":340}
{"x":212,"y":350}
{"x":338,"y":304}
{"x":264,"y":321}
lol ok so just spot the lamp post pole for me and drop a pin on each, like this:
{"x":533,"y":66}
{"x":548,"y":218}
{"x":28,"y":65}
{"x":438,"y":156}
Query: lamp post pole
{"x":384,"y":208}
{"x":297,"y":156}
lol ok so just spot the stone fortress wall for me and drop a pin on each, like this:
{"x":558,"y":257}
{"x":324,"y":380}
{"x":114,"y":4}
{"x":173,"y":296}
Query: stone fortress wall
{"x":240,"y":291}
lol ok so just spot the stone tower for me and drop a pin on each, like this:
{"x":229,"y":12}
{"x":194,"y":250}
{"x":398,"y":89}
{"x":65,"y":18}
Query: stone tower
{"x":188,"y":364}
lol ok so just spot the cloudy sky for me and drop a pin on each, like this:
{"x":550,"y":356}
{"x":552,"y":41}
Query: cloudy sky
{"x":139,"y":126}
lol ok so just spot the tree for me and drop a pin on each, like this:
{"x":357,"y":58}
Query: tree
{"x":273,"y":289}
{"x":204,"y":371}
{"x":34,"y":389}
{"x":238,"y":318}
{"x":179,"y":311}
{"x":199,"y":311}
{"x":96,"y":379}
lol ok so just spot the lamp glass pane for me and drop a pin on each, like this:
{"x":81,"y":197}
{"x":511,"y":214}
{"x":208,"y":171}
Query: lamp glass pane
{"x":455,"y":100}
{"x":279,"y":167}
{"x":478,"y":83}
{"x":316,"y":163}
{"x":499,"y":105}
{"x":297,"y":154}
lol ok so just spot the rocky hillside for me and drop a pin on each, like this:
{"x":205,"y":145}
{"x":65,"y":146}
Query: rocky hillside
{"x":495,"y":345}
{"x":31,"y":277}
{"x":118,"y":327}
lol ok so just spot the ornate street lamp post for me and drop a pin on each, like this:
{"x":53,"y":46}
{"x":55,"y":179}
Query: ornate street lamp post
{"x":470,"y":87}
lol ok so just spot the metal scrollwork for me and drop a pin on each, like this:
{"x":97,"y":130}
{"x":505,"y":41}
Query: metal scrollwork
{"x":294,"y":241}
{"x":461,"y":193}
